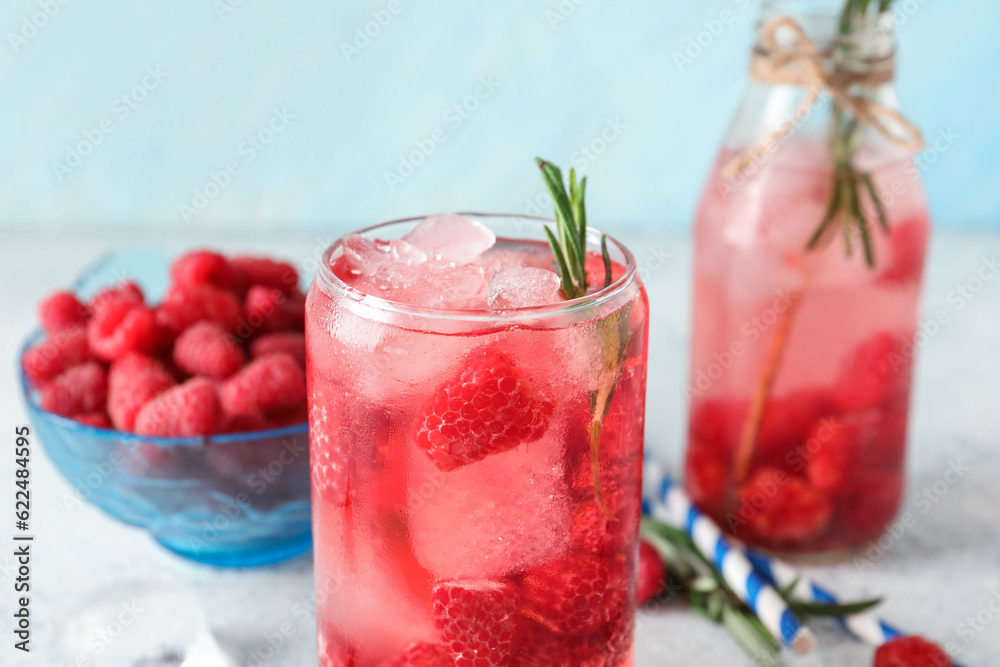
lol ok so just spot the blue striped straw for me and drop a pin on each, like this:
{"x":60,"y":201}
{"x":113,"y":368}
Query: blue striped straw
{"x":670,"y":504}
{"x":660,"y":492}
{"x":865,"y":625}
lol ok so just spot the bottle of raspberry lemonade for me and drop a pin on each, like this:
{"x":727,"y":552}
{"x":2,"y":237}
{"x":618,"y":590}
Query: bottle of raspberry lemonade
{"x":809,"y":252}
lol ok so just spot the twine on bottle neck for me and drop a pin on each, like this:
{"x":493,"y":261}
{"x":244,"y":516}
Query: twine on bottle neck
{"x":801,"y":63}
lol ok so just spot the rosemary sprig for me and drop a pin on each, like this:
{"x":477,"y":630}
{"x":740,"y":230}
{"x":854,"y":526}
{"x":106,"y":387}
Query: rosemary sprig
{"x":850,"y":185}
{"x":569,"y":245}
{"x":569,"y":241}
{"x":696,"y":579}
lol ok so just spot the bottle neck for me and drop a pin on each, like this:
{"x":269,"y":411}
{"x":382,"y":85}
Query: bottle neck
{"x":798,"y":47}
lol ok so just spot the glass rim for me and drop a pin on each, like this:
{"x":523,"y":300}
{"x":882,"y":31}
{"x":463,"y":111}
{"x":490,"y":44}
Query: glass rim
{"x":605,"y":294}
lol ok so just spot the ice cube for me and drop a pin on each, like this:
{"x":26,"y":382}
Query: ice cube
{"x":529,"y":254}
{"x":452,"y":238}
{"x":487,"y":519}
{"x":523,"y":287}
{"x":364,"y":257}
{"x":460,"y":286}
{"x":362,"y":581}
{"x":434,"y":284}
{"x":406,"y":253}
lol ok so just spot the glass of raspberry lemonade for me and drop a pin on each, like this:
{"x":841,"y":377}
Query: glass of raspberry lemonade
{"x":476,"y":447}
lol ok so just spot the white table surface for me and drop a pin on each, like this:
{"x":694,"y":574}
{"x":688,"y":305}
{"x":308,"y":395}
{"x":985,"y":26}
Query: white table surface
{"x":939,"y":573}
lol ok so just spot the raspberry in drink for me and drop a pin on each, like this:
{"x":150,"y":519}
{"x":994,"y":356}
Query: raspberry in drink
{"x":476,"y":447}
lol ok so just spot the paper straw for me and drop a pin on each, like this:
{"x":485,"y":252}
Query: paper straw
{"x":659,"y":492}
{"x":669,"y":503}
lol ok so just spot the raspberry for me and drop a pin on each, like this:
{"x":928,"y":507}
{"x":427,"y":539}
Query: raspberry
{"x":538,"y":646}
{"x":593,"y":532}
{"x":205,"y":348}
{"x":334,"y":435}
{"x":651,"y":573}
{"x":619,"y":484}
{"x":120,"y":327}
{"x":297,"y":414}
{"x":292,"y":342}
{"x":185,"y":305}
{"x":787,"y":422}
{"x":423,"y":654}
{"x":134,"y":380}
{"x":574,"y":596}
{"x":717,"y":421}
{"x":832,"y":452}
{"x":905,"y":264}
{"x":94,"y":419}
{"x":875,"y":372}
{"x":489,"y":408}
{"x":272,"y":383}
{"x":80,"y":389}
{"x":911,"y":652}
{"x":267,"y":272}
{"x":59,"y":352}
{"x":187,"y":410}
{"x":244,"y":423}
{"x":887,"y":447}
{"x":270,"y":310}
{"x":622,"y":432}
{"x":202,"y":267}
{"x":476,"y":621}
{"x":707,"y":472}
{"x":871,"y":502}
{"x":61,"y":311}
{"x":124,"y":292}
{"x":778,"y":507}
{"x":334,"y":650}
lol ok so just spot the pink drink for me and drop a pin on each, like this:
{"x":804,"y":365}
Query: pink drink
{"x":827,"y":470}
{"x":454,"y":506}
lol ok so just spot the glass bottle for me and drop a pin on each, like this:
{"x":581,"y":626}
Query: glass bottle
{"x":809,"y":252}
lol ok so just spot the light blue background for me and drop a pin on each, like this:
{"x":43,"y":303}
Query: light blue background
{"x":560,"y":77}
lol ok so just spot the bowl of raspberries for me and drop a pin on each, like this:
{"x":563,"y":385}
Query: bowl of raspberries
{"x":172,"y":395}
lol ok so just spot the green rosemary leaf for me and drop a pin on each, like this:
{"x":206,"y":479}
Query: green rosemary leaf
{"x":704,"y":585}
{"x":574,"y":191}
{"x":567,"y":227}
{"x":606,"y":256}
{"x":567,"y":283}
{"x":883,"y":219}
{"x":848,"y":186}
{"x":714,"y":607}
{"x":757,"y":642}
{"x":862,"y":222}
{"x":831,"y":212}
{"x":573,"y":258}
{"x":554,"y":183}
{"x":787,"y":591}
{"x":839,"y":610}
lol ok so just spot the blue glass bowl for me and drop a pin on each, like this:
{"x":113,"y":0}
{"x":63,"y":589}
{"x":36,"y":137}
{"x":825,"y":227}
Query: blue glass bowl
{"x":236,"y":500}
